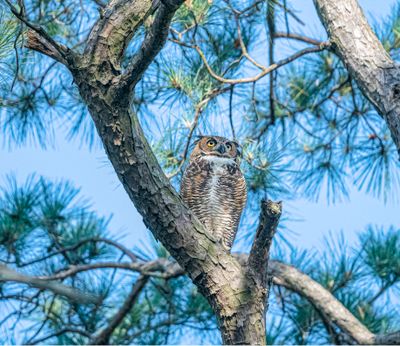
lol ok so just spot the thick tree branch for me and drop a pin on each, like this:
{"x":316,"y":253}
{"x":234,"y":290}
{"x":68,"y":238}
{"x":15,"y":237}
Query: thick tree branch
{"x":369,"y":64}
{"x":7,"y":274}
{"x":259,"y":254}
{"x":322,"y":300}
{"x":153,"y":42}
{"x":218,"y":275}
{"x":113,"y":31}
{"x":104,"y":336}
{"x":39,"y":43}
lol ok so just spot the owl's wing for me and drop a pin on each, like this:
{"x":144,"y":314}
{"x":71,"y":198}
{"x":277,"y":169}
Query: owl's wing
{"x":191,"y":179}
{"x":236,"y":197}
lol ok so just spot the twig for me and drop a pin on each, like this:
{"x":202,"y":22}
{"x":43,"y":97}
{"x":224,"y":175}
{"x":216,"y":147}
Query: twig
{"x":158,"y":268}
{"x":198,"y":111}
{"x":119,"y":246}
{"x":297,"y":37}
{"x":271,"y":31}
{"x":7,"y":274}
{"x":264,"y":72}
{"x":104,"y":336}
{"x":230,"y":112}
{"x":40,"y":35}
{"x":58,"y":333}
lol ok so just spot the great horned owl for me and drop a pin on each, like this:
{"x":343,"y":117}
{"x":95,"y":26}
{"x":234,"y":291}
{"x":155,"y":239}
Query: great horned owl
{"x":214,"y":187}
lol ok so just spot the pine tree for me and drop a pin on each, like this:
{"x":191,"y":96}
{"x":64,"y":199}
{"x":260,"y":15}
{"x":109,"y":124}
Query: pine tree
{"x":144,"y":78}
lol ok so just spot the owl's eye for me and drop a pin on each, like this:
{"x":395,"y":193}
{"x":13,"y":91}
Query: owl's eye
{"x":211,"y":143}
{"x":228,"y":146}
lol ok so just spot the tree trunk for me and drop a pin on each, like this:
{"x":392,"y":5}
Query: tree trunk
{"x":377,"y":75}
{"x":237,"y":293}
{"x":235,"y":296}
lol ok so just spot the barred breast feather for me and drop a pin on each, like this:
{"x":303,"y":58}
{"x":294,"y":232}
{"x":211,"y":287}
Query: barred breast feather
{"x":215,"y":190}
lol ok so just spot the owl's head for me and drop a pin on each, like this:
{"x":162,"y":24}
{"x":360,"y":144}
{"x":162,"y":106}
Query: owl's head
{"x":217,"y":146}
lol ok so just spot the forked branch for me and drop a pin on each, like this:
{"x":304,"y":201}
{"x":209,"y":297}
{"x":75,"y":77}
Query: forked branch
{"x":153,"y":42}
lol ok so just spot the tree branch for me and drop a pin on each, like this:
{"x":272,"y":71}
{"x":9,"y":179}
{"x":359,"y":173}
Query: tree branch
{"x":7,"y":274}
{"x":259,"y":253}
{"x":369,"y":64}
{"x":153,"y":42}
{"x":38,"y":43}
{"x":104,"y":336}
{"x":39,"y":39}
{"x":297,"y":37}
{"x":161,"y":268}
{"x":112,"y":32}
{"x":58,"y":333}
{"x":294,"y":280}
{"x":264,"y":71}
{"x":282,"y":274}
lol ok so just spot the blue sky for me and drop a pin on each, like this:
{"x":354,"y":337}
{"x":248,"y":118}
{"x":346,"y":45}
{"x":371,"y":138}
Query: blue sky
{"x":91,"y":171}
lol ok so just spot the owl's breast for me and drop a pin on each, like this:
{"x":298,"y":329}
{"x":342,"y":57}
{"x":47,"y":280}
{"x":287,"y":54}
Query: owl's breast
{"x":212,"y":186}
{"x":219,"y":184}
{"x":215,"y":190}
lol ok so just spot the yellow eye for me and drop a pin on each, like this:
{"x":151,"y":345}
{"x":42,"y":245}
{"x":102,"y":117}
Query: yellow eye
{"x":211,"y":143}
{"x":228,"y":146}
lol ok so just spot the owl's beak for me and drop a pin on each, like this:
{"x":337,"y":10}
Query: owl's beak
{"x":221,"y":149}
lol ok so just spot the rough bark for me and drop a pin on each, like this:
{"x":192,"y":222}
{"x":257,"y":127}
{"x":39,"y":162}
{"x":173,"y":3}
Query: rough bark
{"x":217,"y":274}
{"x":369,"y":64}
{"x":234,"y":294}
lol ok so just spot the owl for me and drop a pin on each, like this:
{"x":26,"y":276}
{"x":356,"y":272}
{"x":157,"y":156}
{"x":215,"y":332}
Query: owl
{"x":214,"y":188}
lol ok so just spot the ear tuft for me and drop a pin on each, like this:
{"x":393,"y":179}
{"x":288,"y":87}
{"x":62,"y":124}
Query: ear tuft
{"x":198,"y":139}
{"x":238,"y":148}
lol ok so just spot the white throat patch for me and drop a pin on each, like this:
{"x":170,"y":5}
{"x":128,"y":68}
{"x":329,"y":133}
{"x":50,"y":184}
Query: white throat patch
{"x":218,"y":160}
{"x":219,"y":164}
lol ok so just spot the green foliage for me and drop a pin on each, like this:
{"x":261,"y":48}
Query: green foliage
{"x":380,"y":252}
{"x":344,"y":271}
{"x":9,"y":39}
{"x":329,"y":133}
{"x":40,"y":217}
